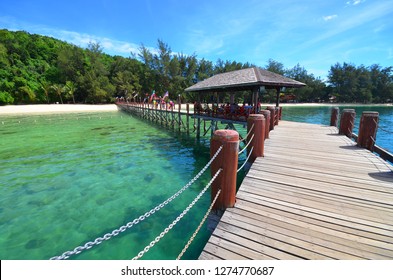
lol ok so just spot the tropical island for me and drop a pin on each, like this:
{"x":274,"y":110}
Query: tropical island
{"x":36,"y":69}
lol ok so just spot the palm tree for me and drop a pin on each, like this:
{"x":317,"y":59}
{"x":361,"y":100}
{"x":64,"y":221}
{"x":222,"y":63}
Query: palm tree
{"x":70,"y":89}
{"x":59,"y":90}
{"x":46,"y":88}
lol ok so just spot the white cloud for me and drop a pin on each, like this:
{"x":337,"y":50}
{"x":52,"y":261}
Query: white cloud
{"x":361,"y":18}
{"x":110,"y":46}
{"x":204,"y":43}
{"x":327,"y":18}
{"x":355,"y":2}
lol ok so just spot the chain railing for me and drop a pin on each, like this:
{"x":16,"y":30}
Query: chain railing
{"x":127,"y":226}
{"x":245,"y":147}
{"x":199,"y":226}
{"x":248,"y":134}
{"x":164,"y":232}
{"x":245,"y":162}
{"x":381,"y":128}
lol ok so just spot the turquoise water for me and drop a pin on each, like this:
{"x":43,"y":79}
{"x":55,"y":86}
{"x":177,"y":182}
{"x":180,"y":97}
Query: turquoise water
{"x":321,"y":115}
{"x":68,"y":179}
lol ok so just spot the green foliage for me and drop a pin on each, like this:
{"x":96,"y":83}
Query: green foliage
{"x":40,"y":69}
{"x":361,"y":84}
{"x":6,"y":98}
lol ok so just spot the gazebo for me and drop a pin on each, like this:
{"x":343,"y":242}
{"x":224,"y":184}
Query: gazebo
{"x":254,"y":79}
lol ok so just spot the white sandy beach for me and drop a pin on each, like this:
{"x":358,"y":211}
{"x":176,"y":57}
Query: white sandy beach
{"x":55,"y":108}
{"x":73,"y":108}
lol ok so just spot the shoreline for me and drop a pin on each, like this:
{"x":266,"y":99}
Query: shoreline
{"x":75,"y":108}
{"x":55,"y":108}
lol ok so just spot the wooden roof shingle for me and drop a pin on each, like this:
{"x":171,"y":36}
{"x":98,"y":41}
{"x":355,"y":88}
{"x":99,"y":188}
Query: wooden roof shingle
{"x":244,"y":79}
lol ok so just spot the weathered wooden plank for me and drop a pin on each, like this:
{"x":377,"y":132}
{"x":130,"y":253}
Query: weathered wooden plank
{"x":323,"y":197}
{"x":309,"y":213}
{"x":346,"y":245}
{"x":222,"y":253}
{"x":315,"y":172}
{"x":356,"y":222}
{"x":240,"y":250}
{"x":281,"y":243}
{"x":248,"y":243}
{"x":314,"y":195}
{"x":207,"y":256}
{"x":326,"y":204}
{"x":317,"y":222}
{"x":297,"y":244}
{"x":324,"y":187}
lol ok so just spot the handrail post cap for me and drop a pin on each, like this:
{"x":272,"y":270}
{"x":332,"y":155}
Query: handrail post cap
{"x":226,"y":135}
{"x":370,"y":113}
{"x":256,"y":117}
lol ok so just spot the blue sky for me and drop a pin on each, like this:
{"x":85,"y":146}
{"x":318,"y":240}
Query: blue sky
{"x":314,"y":33}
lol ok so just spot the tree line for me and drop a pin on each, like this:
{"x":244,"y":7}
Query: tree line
{"x":41,"y":69}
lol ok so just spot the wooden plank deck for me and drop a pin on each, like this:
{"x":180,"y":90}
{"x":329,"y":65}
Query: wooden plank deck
{"x":314,"y":195}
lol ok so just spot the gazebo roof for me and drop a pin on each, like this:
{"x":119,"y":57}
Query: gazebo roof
{"x":244,"y":79}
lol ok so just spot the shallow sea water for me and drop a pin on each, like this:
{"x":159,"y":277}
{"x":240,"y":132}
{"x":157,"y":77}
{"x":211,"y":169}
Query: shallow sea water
{"x":68,"y":179}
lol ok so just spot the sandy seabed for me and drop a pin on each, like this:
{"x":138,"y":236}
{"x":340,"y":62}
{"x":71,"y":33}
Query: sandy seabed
{"x":55,"y":108}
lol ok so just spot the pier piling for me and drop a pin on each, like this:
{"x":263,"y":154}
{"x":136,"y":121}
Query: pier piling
{"x":266,"y":114}
{"x":347,"y":122}
{"x":257,"y":141}
{"x":272,"y":110}
{"x":368,"y":130}
{"x":334,"y":116}
{"x":227,"y":160}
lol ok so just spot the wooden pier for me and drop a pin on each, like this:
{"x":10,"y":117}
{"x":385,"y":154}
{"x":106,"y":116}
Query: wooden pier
{"x":314,"y":195}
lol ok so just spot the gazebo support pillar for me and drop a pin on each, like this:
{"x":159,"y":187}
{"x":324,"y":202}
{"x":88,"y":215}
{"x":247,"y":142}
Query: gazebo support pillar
{"x":255,"y":100}
{"x":278,"y":90}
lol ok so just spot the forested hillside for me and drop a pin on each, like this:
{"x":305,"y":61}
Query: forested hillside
{"x":40,"y":69}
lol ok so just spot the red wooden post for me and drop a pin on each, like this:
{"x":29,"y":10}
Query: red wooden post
{"x":227,"y":159}
{"x":368,"y":130}
{"x":334,"y":116}
{"x":272,"y":110}
{"x":258,"y":140}
{"x":266,"y":114}
{"x":277,"y":115}
{"x":347,"y":122}
{"x":280,"y":113}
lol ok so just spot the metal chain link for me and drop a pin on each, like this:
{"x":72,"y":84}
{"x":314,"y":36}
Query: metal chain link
{"x":165,"y":231}
{"x":378,"y":127}
{"x":252,"y":137}
{"x":123,"y":228}
{"x":246,"y":159}
{"x":199,"y":227}
{"x":245,"y":138}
